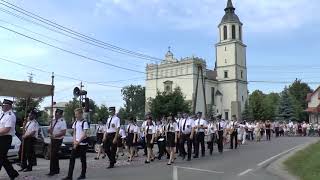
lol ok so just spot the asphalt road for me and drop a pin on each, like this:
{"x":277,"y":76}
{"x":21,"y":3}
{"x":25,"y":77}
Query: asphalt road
{"x":248,"y":162}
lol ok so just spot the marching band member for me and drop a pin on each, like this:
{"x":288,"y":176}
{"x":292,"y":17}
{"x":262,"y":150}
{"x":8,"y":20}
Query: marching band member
{"x":200,"y":127}
{"x":220,"y":129}
{"x":268,"y":130}
{"x":171,"y":130}
{"x":150,"y":137}
{"x":132,"y":135}
{"x":161,"y":139}
{"x":212,"y":130}
{"x":233,"y":125}
{"x":242,"y":133}
{"x":186,"y":133}
{"x":120,"y":142}
{"x":99,"y":135}
{"x":179,"y":118}
{"x":29,"y":138}
{"x":7,"y":130}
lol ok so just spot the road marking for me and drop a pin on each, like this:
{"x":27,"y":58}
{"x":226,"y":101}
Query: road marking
{"x":202,"y":170}
{"x":263,"y":162}
{"x":175,"y":173}
{"x":244,"y":172}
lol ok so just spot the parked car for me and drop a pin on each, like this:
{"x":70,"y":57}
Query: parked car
{"x":92,"y":136}
{"x":43,"y":142}
{"x":13,"y":153}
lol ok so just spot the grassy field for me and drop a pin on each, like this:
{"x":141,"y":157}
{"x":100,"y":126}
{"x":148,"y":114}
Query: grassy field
{"x":306,"y":163}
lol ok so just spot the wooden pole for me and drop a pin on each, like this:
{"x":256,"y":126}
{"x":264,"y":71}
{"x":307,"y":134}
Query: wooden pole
{"x":24,"y":122}
{"x":196,"y":93}
{"x":51,"y":114}
{"x":204,"y":92}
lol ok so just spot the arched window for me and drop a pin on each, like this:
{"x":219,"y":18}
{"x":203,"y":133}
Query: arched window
{"x":233,"y":32}
{"x":225,"y":32}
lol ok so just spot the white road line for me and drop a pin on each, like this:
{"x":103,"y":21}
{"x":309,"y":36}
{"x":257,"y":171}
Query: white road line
{"x":263,"y":162}
{"x":244,"y":172}
{"x":175,"y":173}
{"x":202,"y":170}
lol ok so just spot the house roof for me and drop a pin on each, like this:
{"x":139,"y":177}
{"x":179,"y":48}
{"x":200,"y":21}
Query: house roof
{"x":309,"y":95}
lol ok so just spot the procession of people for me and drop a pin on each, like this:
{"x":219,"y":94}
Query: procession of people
{"x":181,"y":136}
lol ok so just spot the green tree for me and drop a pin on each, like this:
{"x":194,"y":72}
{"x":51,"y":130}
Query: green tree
{"x":134,"y":98}
{"x":72,"y":105}
{"x":168,"y":102}
{"x":270,"y":104}
{"x":299,"y":90}
{"x":247,"y":112}
{"x":286,"y":110}
{"x":256,"y":104}
{"x":102,"y":113}
{"x":23,"y":105}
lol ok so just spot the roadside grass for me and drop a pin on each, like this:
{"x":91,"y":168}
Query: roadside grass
{"x":305,"y":164}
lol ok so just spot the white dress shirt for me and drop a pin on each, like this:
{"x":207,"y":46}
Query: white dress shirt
{"x":202,"y":123}
{"x":186,"y":125}
{"x":113,"y":123}
{"x":78,"y":126}
{"x":58,"y":126}
{"x":8,"y":120}
{"x":172,"y":127}
{"x":32,"y":126}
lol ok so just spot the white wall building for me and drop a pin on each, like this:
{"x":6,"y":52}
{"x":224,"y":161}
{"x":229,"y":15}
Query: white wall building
{"x":313,"y":109}
{"x":225,"y":86}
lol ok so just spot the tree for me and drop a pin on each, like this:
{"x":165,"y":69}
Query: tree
{"x":299,"y":90}
{"x":270,"y":104}
{"x":256,"y":104}
{"x":74,"y":104}
{"x":286,"y":107}
{"x":166,"y":103}
{"x":134,"y":98}
{"x":102,"y":113}
{"x":247,"y":112}
{"x":22,"y":104}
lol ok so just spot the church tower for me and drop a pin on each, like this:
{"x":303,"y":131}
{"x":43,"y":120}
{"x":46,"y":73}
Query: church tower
{"x":231,"y":64}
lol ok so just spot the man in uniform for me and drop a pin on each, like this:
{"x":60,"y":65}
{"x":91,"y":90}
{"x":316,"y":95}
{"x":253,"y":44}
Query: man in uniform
{"x":200,"y":126}
{"x":233,"y":126}
{"x":7,"y":130}
{"x":186,"y":134}
{"x":110,"y":138}
{"x":57,"y":131}
{"x":179,"y":118}
{"x":29,"y":138}
{"x":220,"y":128}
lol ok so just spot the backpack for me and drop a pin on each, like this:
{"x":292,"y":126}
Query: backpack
{"x":86,"y":140}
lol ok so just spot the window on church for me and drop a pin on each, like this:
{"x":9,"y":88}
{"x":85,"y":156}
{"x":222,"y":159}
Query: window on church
{"x":212,"y":95}
{"x":233,"y":32}
{"x":168,"y":86}
{"x":226,"y":115}
{"x":240,"y":33}
{"x":242,"y":98}
{"x":225,"y":32}
{"x":225,"y":60}
{"x":241,"y":74}
{"x":225,"y":74}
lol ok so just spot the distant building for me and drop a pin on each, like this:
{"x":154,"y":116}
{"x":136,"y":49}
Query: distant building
{"x":58,"y":105}
{"x":313,"y":109}
{"x":226,"y":86}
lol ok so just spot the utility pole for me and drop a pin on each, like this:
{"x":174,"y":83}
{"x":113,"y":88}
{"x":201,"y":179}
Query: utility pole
{"x":30,"y":77}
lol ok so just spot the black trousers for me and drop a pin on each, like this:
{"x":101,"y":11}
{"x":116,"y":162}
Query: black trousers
{"x":177,"y":146}
{"x":220,"y":141}
{"x":186,"y":138}
{"x":110,"y":148}
{"x":54,"y":157}
{"x":234,"y":138}
{"x":28,"y":156}
{"x":199,"y":140}
{"x":268,"y":133}
{"x":162,"y":147}
{"x":210,"y":143}
{"x":80,"y":151}
{"x":5,"y":143}
{"x":250,"y":134}
{"x":277,"y":131}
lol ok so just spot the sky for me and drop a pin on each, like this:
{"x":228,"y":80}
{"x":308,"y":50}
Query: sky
{"x":281,"y":37}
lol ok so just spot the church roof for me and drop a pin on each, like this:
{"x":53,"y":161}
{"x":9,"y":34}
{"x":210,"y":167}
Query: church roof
{"x":230,"y":16}
{"x":212,"y":75}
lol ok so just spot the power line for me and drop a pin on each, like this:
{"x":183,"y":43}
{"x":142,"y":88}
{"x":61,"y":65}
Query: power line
{"x":59,"y":41}
{"x":71,"y":52}
{"x":68,"y":30}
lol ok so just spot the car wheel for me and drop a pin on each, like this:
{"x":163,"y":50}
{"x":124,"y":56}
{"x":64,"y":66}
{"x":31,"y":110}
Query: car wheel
{"x":46,"y":153}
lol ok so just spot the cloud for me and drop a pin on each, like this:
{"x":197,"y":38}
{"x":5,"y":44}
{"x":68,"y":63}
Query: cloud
{"x":257,"y":15}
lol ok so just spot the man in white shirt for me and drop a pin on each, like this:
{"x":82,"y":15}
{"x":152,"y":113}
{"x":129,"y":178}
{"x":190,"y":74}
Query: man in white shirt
{"x":186,"y":134}
{"x":212,"y":130}
{"x":110,"y":138}
{"x":200,"y":127}
{"x":57,"y":130}
{"x":233,"y":127}
{"x":220,"y":129}
{"x":178,"y":119}
{"x":7,"y":130}
{"x":29,"y":138}
{"x":80,"y":144}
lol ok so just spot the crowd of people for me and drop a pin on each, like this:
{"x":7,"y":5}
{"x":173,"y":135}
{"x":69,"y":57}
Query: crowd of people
{"x":181,"y":135}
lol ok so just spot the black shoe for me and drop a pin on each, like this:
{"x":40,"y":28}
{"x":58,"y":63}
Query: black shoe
{"x":110,"y":166}
{"x":67,"y":178}
{"x":27,"y":170}
{"x":22,"y":169}
{"x":104,"y":156}
{"x":169,"y":164}
{"x":147,"y":162}
{"x":15,"y":176}
{"x":96,"y":158}
{"x":189,"y":159}
{"x":195,"y":157}
{"x":152,"y":159}
{"x":82,"y":177}
{"x":51,"y":174}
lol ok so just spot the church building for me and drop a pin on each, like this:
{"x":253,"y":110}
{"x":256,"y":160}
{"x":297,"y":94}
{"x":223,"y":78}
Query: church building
{"x":222,"y":90}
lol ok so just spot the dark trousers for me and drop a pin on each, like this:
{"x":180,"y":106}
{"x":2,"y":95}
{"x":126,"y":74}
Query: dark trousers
{"x":110,"y":148}
{"x":199,"y":139}
{"x":268,"y":133}
{"x":177,"y":146}
{"x":277,"y":131}
{"x":54,"y":157}
{"x":80,"y":151}
{"x":234,"y":138}
{"x":210,"y":143}
{"x":5,"y":143}
{"x":28,"y":155}
{"x":220,"y":141}
{"x":251,"y":135}
{"x":183,"y":139}
{"x":162,"y":148}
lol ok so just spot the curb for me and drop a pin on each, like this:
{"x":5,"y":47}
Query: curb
{"x":278,"y":168}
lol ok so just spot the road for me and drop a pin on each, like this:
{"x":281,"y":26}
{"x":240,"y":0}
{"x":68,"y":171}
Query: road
{"x":248,"y":162}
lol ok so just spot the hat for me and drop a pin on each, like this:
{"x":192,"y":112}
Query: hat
{"x":199,"y":113}
{"x":60,"y":111}
{"x":34,"y":112}
{"x":112,"y":108}
{"x":7,"y":102}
